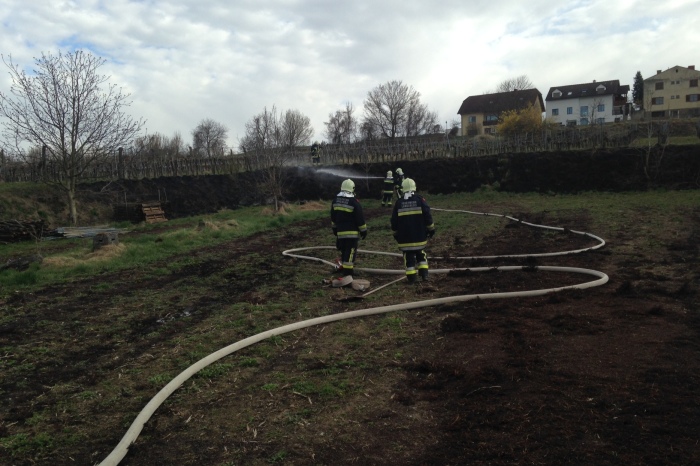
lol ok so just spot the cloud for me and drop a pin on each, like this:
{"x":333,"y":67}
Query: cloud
{"x":186,"y":60}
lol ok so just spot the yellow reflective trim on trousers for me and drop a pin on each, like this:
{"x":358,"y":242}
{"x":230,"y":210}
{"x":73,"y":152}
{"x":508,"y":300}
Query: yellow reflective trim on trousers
{"x":413,"y":245}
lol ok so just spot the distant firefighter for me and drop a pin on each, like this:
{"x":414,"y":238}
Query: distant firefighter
{"x":315,"y":154}
{"x":398,"y":180}
{"x":388,"y":190}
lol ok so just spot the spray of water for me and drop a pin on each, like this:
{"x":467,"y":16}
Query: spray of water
{"x":346,"y":174}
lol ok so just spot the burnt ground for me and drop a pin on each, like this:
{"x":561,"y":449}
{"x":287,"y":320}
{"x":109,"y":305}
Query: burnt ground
{"x":603,"y":376}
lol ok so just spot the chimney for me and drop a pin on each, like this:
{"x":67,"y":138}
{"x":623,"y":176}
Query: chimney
{"x":691,"y":67}
{"x":658,"y":71}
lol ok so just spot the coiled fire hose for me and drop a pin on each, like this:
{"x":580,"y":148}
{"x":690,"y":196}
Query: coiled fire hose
{"x":134,"y":430}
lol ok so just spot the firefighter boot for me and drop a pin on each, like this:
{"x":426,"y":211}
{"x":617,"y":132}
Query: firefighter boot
{"x":423,"y":275}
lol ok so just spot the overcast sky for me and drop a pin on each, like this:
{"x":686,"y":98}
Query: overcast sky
{"x":186,"y":60}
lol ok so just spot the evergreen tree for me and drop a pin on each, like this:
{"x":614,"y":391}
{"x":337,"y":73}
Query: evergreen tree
{"x":638,"y":88}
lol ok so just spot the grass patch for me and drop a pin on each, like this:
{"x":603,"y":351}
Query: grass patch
{"x":138,"y":251}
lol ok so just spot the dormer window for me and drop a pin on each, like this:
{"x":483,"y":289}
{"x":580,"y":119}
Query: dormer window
{"x":556,"y":94}
{"x":600,"y":89}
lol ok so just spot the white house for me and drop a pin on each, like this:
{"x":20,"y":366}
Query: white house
{"x":597,"y":102}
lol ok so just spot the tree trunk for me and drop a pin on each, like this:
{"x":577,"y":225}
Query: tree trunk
{"x":72,"y":206}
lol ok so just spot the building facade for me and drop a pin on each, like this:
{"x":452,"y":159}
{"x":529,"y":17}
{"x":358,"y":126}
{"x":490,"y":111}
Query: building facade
{"x":597,"y":102}
{"x":673,"y":93}
{"x":480,"y":113}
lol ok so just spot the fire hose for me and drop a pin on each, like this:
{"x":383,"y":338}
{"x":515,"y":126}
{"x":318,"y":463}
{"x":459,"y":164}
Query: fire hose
{"x":137,"y":425}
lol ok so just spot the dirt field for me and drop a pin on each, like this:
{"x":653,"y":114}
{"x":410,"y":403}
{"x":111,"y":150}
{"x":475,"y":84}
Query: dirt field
{"x":603,"y":376}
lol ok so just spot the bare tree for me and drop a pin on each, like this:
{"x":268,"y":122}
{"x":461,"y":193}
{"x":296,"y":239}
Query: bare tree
{"x":175,"y":145}
{"x":295,"y":128}
{"x":64,"y":108}
{"x":157,"y":146}
{"x":342,"y":127}
{"x":394,"y":109}
{"x":209,"y":139}
{"x":266,"y":148}
{"x":515,"y":84}
{"x":261,"y":133}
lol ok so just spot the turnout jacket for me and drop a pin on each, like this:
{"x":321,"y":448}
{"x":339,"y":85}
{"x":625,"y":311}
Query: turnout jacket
{"x":410,"y":221}
{"x":388,"y":185}
{"x":347,"y":218}
{"x":398,"y":180}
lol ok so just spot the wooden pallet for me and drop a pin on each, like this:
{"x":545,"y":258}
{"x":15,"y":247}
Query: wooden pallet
{"x":153,"y":212}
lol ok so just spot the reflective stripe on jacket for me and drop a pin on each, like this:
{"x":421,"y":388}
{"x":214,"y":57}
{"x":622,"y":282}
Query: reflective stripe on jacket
{"x":410,"y":220}
{"x":347,"y":218}
{"x":388,"y":185}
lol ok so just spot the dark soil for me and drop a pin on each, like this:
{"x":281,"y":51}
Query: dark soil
{"x":605,"y":376}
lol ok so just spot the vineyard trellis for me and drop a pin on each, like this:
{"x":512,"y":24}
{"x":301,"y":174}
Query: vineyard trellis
{"x":145,"y":165}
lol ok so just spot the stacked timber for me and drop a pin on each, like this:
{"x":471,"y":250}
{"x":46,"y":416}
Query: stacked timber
{"x":13,"y":231}
{"x":149,"y":212}
{"x":153,"y":212}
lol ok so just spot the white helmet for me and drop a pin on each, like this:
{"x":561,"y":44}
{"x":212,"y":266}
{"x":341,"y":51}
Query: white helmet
{"x":408,"y":185}
{"x":348,"y":185}
{"x":399,"y":171}
{"x":388,"y":174}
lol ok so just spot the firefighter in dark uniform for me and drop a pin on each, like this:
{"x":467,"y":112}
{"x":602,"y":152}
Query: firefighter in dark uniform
{"x":388,"y":190}
{"x":412,"y":225}
{"x":398,"y":180}
{"x":315,"y":154}
{"x":348,"y":224}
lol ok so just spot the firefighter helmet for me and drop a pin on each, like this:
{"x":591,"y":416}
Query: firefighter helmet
{"x":348,"y":185}
{"x":408,"y":185}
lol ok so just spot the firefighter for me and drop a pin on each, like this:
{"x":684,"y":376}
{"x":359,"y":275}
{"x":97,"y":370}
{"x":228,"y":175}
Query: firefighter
{"x":388,"y":190}
{"x":412,"y":225}
{"x":398,"y":180}
{"x":315,"y":154}
{"x":348,"y":224}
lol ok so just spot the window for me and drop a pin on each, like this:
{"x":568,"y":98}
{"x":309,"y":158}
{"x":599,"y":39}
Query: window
{"x":491,"y":117}
{"x":600,"y":121}
{"x":556,"y":94}
{"x":601,"y":107}
{"x":584,"y":111}
{"x":692,"y":98}
{"x":659,"y":86}
{"x":673,"y":97}
{"x":471,"y":119}
{"x":571,"y":122}
{"x":555,"y":111}
{"x":657,"y":101}
{"x":693,"y":83}
{"x":569,"y":110}
{"x":659,"y":114}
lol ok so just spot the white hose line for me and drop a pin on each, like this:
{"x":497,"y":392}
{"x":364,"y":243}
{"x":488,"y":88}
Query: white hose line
{"x":136,"y":427}
{"x":130,"y":437}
